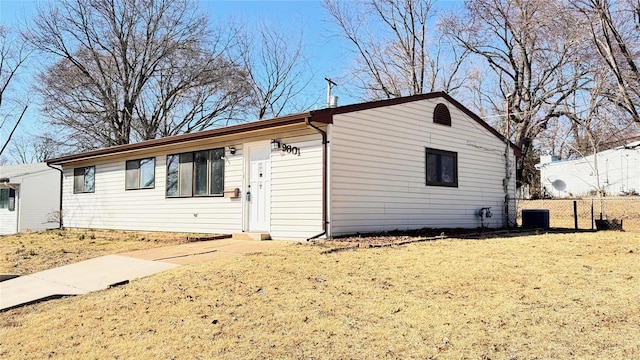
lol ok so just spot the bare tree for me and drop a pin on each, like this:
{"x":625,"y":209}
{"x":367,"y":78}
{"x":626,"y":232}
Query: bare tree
{"x":582,"y":127}
{"x":615,"y":34}
{"x":133,"y":70}
{"x":277,"y":70}
{"x":531,"y":48}
{"x":596,"y":115}
{"x":397,"y":56}
{"x":585,"y":122}
{"x":195,"y":90}
{"x":26,"y":149}
{"x":13,"y":55}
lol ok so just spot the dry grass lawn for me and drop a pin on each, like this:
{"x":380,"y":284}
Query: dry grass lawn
{"x":536,"y":297}
{"x":26,"y":253}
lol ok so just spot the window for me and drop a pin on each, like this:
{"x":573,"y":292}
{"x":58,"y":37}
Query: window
{"x":4,"y":198}
{"x":441,"y":115}
{"x":84,"y":179}
{"x":199,"y":173}
{"x":8,"y":199}
{"x":140,"y":174}
{"x":442,"y":168}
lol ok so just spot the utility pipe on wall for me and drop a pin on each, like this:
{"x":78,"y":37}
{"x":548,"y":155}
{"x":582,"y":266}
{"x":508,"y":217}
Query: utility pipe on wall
{"x":324,"y":178}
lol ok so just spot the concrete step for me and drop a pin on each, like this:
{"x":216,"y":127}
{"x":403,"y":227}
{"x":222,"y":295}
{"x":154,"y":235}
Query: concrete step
{"x":256,"y":236}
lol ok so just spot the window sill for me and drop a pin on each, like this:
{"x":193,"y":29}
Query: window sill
{"x":194,"y":196}
{"x":443,"y":185}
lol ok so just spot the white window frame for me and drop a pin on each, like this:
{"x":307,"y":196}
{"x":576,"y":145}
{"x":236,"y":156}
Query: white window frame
{"x":183,"y":167}
{"x":133,"y":171}
{"x":81,"y":173}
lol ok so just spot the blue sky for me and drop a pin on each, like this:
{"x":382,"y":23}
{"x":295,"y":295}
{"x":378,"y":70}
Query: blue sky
{"x":326,"y":53}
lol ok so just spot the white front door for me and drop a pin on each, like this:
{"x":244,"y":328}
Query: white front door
{"x":259,"y":187}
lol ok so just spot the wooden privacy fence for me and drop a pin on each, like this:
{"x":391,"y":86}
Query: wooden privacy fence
{"x":561,"y":211}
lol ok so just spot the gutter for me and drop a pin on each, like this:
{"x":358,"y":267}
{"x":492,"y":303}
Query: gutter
{"x":323,"y":133}
{"x":60,"y":225}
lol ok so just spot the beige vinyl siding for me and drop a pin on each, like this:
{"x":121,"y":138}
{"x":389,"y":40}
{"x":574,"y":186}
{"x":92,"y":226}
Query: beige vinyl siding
{"x":296,"y":189}
{"x":113,"y":207}
{"x":378,"y":170}
{"x":39,"y":201}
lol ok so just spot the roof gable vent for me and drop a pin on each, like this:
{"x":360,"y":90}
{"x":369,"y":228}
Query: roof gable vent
{"x":441,"y":115}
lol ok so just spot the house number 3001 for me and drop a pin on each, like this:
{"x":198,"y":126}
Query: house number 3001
{"x":291,"y":149}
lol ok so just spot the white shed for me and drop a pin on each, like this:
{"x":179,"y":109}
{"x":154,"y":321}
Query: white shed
{"x":615,"y":171}
{"x":404,"y":163}
{"x":29,"y":198}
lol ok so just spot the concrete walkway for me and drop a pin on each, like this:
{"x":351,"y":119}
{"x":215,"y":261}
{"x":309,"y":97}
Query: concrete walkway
{"x":106,"y":271}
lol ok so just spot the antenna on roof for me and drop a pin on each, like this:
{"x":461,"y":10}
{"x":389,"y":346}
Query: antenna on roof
{"x":332,"y":101}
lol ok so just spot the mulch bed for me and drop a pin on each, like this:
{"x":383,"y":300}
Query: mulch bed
{"x":398,"y":238}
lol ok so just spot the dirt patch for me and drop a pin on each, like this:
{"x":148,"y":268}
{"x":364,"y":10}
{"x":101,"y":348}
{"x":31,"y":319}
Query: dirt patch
{"x":398,"y":238}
